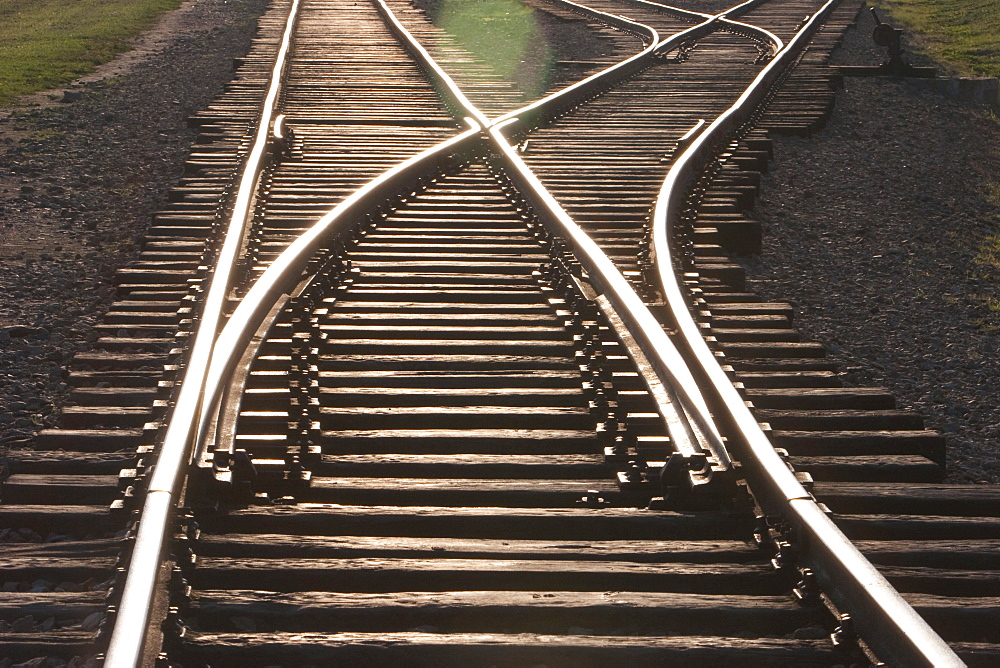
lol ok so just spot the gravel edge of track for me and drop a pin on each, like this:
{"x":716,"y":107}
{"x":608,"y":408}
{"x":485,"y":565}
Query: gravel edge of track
{"x":79,"y":183}
{"x":871,"y":228}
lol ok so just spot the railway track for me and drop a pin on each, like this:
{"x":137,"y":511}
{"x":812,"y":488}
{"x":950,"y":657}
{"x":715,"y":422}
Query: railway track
{"x":457,"y":430}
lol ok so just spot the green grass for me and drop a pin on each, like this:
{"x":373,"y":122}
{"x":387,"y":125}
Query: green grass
{"x":963,"y":35}
{"x":48,"y":43}
{"x":990,"y":306}
{"x":504,"y":35}
{"x":993,"y":193}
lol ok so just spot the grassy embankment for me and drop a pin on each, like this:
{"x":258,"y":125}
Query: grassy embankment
{"x":964,"y":36}
{"x":48,"y":43}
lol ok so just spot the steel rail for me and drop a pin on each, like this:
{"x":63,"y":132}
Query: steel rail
{"x":127,"y":638}
{"x":552,"y":105}
{"x":273,"y":284}
{"x":126,"y":642}
{"x":735,"y":26}
{"x":666,"y":361}
{"x":213,"y":355}
{"x":884,"y":620}
{"x":248,"y":316}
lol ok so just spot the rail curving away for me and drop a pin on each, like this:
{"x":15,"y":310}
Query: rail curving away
{"x":899,"y":635}
{"x":128,"y":635}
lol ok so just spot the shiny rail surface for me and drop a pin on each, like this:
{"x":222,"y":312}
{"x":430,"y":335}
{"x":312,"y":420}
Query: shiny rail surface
{"x":703,"y":431}
{"x":850,"y":580}
{"x":125,"y":646}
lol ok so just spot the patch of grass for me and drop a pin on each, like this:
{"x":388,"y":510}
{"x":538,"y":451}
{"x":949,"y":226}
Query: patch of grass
{"x":986,"y":266}
{"x":993,"y":193}
{"x":962,"y":34}
{"x":505,"y":35}
{"x":990,"y":306}
{"x":45,"y":133}
{"x":47,"y":43}
{"x":988,"y":259}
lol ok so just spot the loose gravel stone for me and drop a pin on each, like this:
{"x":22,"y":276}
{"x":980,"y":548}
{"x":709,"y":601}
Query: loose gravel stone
{"x":92,"y":621}
{"x":80,"y":177}
{"x":871,"y":230}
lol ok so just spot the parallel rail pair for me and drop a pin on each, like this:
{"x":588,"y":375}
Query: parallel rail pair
{"x":850,"y":582}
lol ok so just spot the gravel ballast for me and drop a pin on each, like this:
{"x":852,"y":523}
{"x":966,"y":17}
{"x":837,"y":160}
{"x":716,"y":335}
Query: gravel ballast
{"x":870,"y":228}
{"x":79,"y":182}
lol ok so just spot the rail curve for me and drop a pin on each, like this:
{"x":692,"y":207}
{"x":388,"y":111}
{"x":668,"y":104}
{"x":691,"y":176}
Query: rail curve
{"x":712,"y":438}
